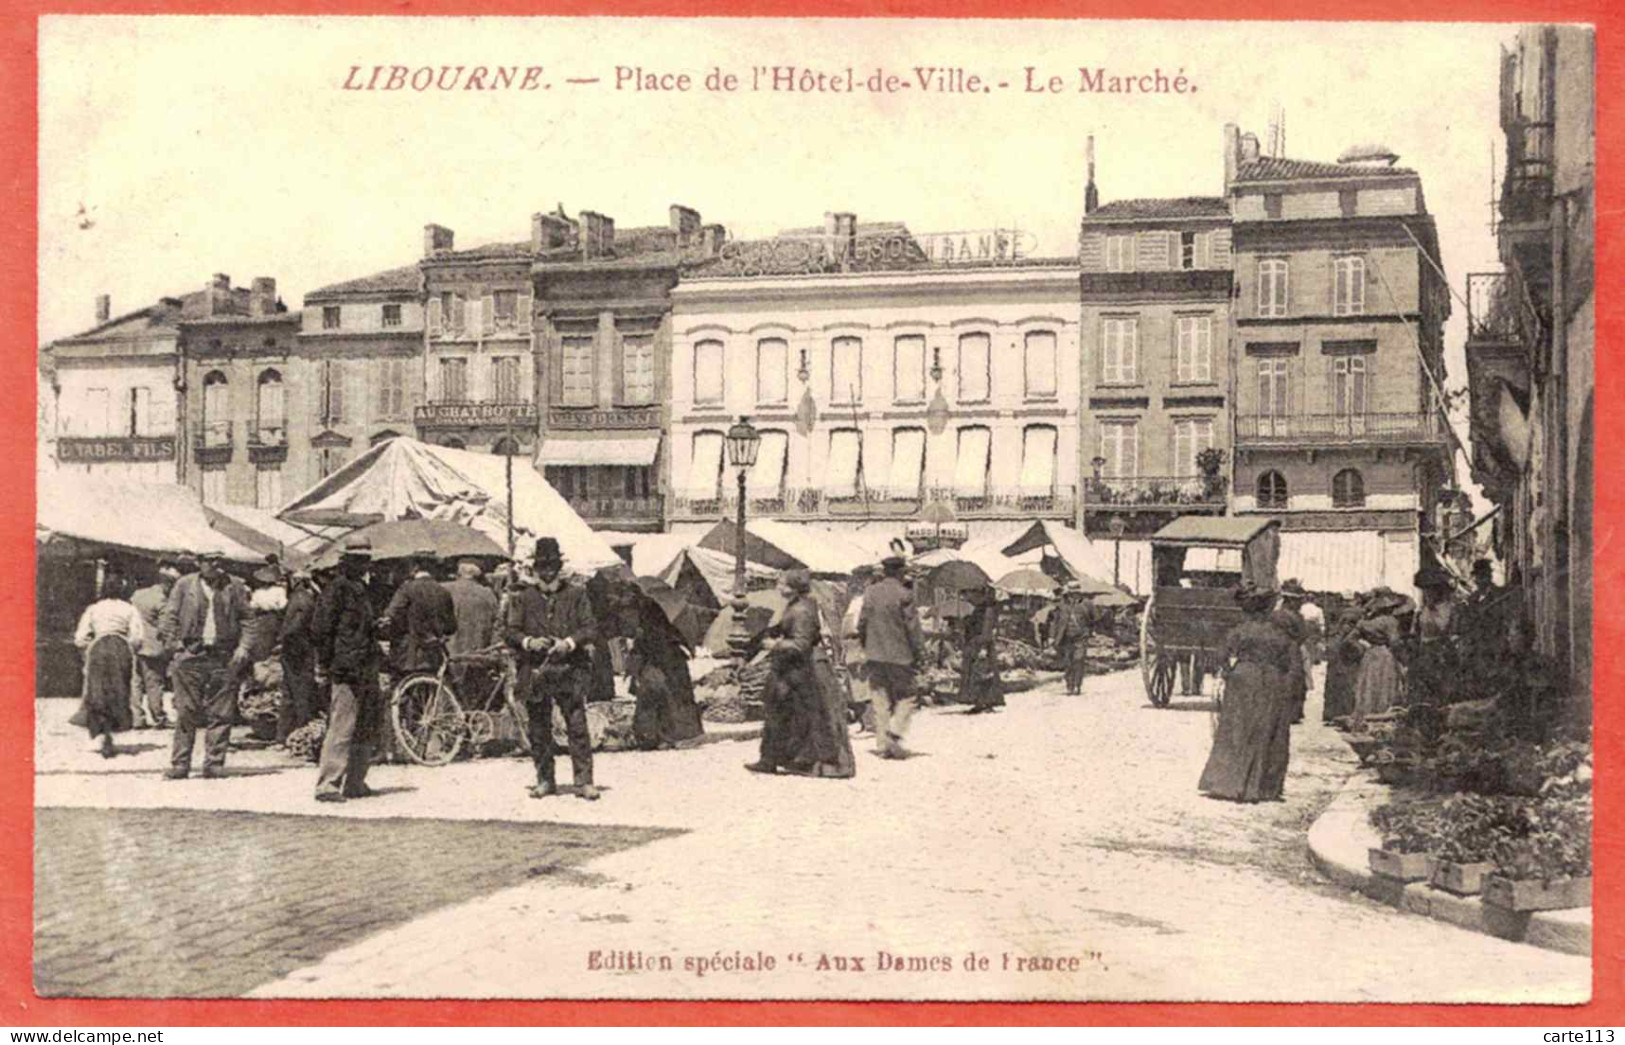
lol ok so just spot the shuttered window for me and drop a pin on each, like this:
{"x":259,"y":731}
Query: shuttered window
{"x":1120,"y":446}
{"x":1119,"y":350}
{"x":505,"y":379}
{"x":391,"y":387}
{"x":975,"y":351}
{"x":575,"y":372}
{"x":908,"y":369}
{"x":708,"y":372}
{"x":141,"y":411}
{"x":638,"y":369}
{"x":772,"y":371}
{"x":1194,"y":351}
{"x":1039,"y":364}
{"x":454,"y":380}
{"x":846,"y":371}
{"x":1272,"y":287}
{"x":1348,"y":298}
{"x":270,"y":407}
{"x":268,"y":488}
{"x":1191,"y":437}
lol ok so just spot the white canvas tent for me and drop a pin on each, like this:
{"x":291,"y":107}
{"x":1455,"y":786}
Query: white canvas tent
{"x":783,"y":546}
{"x":404,"y":478}
{"x":75,"y":515}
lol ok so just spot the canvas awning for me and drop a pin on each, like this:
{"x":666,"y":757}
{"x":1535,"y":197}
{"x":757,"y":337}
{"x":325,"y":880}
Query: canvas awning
{"x":786,"y":546}
{"x":705,"y":468}
{"x":259,"y":529}
{"x":766,"y":476}
{"x":638,"y":452}
{"x":1213,"y":531}
{"x":404,"y":479}
{"x":1038,"y":462}
{"x":970,"y":468}
{"x":841,"y":473}
{"x":1088,"y":562}
{"x":78,"y":515}
{"x":907,"y":464}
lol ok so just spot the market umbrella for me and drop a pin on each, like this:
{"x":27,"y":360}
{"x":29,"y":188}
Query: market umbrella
{"x":762,"y":608}
{"x":959,"y":575}
{"x":401,"y":538}
{"x":1027,"y":581}
{"x":691,"y":621}
{"x":938,"y":513}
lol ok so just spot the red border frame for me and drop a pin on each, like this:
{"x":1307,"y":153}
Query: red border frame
{"x":18,"y":296}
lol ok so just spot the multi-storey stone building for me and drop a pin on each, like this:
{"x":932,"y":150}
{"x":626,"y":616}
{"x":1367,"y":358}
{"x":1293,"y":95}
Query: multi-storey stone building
{"x":1338,"y":362}
{"x":883,"y":378}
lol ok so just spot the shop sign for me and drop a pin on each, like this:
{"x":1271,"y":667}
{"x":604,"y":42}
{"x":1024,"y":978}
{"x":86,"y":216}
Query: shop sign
{"x":476,"y":415}
{"x":589,"y":420}
{"x":115,"y":448}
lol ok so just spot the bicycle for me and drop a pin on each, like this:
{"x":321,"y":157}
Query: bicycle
{"x":430,"y":724}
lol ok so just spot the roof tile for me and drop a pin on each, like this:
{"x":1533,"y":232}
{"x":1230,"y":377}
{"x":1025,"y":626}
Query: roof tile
{"x":1276,"y":168}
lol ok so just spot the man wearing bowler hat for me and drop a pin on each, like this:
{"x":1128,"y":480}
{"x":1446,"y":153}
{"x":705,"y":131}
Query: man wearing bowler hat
{"x":551,"y":626}
{"x":345,"y":629}
{"x":421,"y":617}
{"x":1073,"y":625}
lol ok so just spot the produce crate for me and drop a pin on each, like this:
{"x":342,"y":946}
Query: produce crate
{"x":1533,"y":894}
{"x":1402,"y":867}
{"x":1462,"y":879}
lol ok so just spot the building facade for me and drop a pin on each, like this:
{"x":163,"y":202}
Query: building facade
{"x":1156,"y":286}
{"x":1337,"y":361}
{"x":889,"y":386}
{"x":1531,"y":344}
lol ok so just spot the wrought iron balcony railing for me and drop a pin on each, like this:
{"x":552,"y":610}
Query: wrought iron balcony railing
{"x":814,"y":503}
{"x":268,"y":435}
{"x":598,"y":508}
{"x":1321,"y":429}
{"x":212,"y":434}
{"x":1526,"y":192}
{"x":1157,"y":491}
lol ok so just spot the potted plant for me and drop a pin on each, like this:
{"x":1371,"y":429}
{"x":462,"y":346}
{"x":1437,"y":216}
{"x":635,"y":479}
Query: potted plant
{"x":1476,"y":824}
{"x":1411,"y":832}
{"x":1548,"y":866}
{"x":1210,"y":462}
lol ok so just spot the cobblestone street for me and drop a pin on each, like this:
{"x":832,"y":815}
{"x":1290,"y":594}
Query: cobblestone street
{"x":1062,"y":829}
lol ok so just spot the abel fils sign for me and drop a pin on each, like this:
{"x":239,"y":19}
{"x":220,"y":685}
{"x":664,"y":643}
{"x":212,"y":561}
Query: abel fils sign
{"x":116,"y":448}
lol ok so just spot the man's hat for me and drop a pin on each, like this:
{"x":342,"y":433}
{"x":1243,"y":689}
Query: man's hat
{"x":358,"y":548}
{"x":210,"y":556}
{"x":1432,"y":579}
{"x":893,"y":562}
{"x":547,"y":552}
{"x":1294,"y":588}
{"x":425,"y":555}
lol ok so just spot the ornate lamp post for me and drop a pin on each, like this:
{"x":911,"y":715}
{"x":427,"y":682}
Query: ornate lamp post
{"x":744,"y":442}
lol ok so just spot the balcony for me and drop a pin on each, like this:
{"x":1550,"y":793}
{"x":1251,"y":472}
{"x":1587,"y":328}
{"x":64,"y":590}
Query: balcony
{"x":268,"y":443}
{"x":812,"y":504}
{"x":619,"y":509}
{"x":1320,"y":430}
{"x":212,"y":442}
{"x":1526,"y":192}
{"x":1492,"y":308}
{"x":1190,"y":493}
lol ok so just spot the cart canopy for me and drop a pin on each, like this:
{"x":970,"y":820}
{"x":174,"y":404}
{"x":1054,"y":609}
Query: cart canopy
{"x":1258,"y":539}
{"x":1210,"y":531}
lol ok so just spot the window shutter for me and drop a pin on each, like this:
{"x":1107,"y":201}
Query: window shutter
{"x":618,"y":377}
{"x":526,"y":304}
{"x":488,"y":314}
{"x":1176,"y":251}
{"x":459,"y":313}
{"x":434,"y":317}
{"x":555,"y":358}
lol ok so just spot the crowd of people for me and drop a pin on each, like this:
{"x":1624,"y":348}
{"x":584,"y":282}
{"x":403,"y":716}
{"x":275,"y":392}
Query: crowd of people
{"x":1381,"y":649}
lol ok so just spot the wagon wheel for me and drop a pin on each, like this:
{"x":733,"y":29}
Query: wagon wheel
{"x":1158,"y":666}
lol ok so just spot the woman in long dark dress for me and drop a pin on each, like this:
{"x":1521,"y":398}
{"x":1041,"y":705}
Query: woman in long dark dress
{"x":1381,"y":684}
{"x":979,"y":683}
{"x":1342,"y":665}
{"x":108,"y":632}
{"x":1252,"y":745}
{"x":666,"y":714}
{"x":804,"y":729}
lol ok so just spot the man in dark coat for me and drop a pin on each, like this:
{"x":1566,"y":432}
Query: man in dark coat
{"x":550,"y":625}
{"x":298,"y":656}
{"x":421,"y":618}
{"x":202,"y":627}
{"x":1074,"y":623}
{"x":893,"y":646}
{"x":347,"y":651}
{"x":475,"y":607}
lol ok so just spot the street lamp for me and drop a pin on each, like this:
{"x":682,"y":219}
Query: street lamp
{"x":744,"y":442}
{"x":1117,"y":527}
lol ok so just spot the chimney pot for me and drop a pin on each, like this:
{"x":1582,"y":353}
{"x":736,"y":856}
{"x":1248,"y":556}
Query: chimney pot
{"x":685,"y":221}
{"x":712,"y":237}
{"x":437,"y":238}
{"x":1091,"y":195}
{"x":1249,"y":148}
{"x":1232,"y":154}
{"x":221,"y":281}
{"x":262,"y":297}
{"x":104,"y":308}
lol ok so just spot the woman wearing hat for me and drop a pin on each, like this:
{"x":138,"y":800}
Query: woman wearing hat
{"x":1435,"y":667}
{"x":1381,"y":683}
{"x":979,"y":683}
{"x":109,"y":631}
{"x":805,"y":728}
{"x":1252,"y":744}
{"x":1344,"y":650}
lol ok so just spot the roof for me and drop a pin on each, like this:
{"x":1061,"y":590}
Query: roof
{"x":783,"y":546}
{"x":80,"y":514}
{"x":1213,"y":531}
{"x":881,"y":246}
{"x":404,"y":278}
{"x":1277,"y":168}
{"x":1179,"y":207}
{"x":638,"y":246}
{"x":285,"y":316}
{"x":165,"y":312}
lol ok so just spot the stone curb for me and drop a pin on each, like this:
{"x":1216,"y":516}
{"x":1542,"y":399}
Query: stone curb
{"x":1339,"y":845}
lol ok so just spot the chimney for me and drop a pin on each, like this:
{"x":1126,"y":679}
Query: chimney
{"x":685,"y":221}
{"x":1091,"y":195}
{"x":712,"y":237}
{"x":436,"y":238}
{"x":550,"y":231}
{"x":262,"y":298}
{"x":1249,"y":148}
{"x":217,"y":295}
{"x":1232,"y":154}
{"x":104,"y":308}
{"x":598,"y":235}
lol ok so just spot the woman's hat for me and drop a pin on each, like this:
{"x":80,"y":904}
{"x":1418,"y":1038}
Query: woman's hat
{"x":798,"y":580}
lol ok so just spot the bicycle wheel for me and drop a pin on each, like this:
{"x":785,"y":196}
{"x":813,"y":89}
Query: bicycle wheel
{"x":428,"y":720}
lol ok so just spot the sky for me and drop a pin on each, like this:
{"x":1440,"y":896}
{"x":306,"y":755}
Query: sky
{"x":228,"y":144}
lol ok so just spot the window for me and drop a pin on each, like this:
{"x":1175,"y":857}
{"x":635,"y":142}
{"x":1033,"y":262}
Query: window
{"x":1348,"y":201}
{"x":1349,"y":282}
{"x":1273,"y":397}
{"x":268,"y":488}
{"x":505,"y":379}
{"x":846,"y":371}
{"x":214,"y":484}
{"x":330,"y":317}
{"x":332,"y":459}
{"x":1039,"y":364}
{"x":1194,"y":350}
{"x":505,"y":309}
{"x":975,"y":351}
{"x":908,"y":369}
{"x":971,"y":464}
{"x":1187,"y":250}
{"x":1038,"y":462}
{"x":1348,"y":489}
{"x":391,"y":387}
{"x":1191,"y":437}
{"x":1120,"y":446}
{"x":765,"y":480}
{"x":708,"y":373}
{"x":638,"y":369}
{"x":575,"y":372}
{"x":1120,"y":253}
{"x":1272,"y":287}
{"x":334,"y":400}
{"x":141,"y":411}
{"x":96,"y":418}
{"x":216,"y":410}
{"x":270,"y":410}
{"x":1272,"y":490}
{"x":1349,"y":385}
{"x":705,"y":468}
{"x":636,"y":483}
{"x":1119,"y":350}
{"x":907,"y":464}
{"x":1272,"y":205}
{"x":454,"y":380}
{"x":563,"y":480}
{"x":772,"y":371}
{"x":392,"y":315}
{"x":844,"y":466}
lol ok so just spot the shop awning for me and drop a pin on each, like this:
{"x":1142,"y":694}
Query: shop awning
{"x":841,"y":475}
{"x":1038,"y":462}
{"x":766,"y":477}
{"x":705,"y":470}
{"x":638,"y":452}
{"x":907,"y":464}
{"x":79,"y":515}
{"x":970,"y":469}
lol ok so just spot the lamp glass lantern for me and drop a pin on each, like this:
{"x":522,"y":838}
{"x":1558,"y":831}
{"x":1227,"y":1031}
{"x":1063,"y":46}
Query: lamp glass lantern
{"x":744,"y":443}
